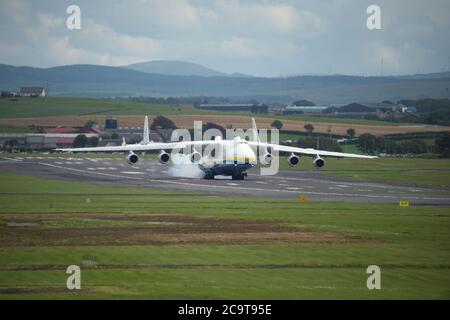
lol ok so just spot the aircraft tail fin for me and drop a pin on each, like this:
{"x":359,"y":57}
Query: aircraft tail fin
{"x":145,"y":135}
{"x":255,"y":131}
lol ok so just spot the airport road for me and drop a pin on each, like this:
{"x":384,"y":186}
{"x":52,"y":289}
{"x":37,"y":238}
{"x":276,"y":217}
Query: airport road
{"x":286,"y":184}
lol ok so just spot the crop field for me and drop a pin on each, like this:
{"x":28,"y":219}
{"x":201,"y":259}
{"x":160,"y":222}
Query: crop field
{"x":152,"y":244}
{"x":23,"y":112}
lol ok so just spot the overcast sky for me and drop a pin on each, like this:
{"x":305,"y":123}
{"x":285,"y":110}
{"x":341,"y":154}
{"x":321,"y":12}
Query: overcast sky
{"x":265,"y":38}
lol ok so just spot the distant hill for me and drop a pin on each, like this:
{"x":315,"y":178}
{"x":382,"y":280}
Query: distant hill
{"x":175,"y":68}
{"x":437,"y":75}
{"x":105,"y":81}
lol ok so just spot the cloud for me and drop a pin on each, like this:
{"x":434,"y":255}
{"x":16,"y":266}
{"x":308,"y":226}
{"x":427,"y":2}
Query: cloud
{"x":238,"y":46}
{"x":260,"y":37}
{"x":257,"y":19}
{"x":48,"y":21}
{"x":106,"y":42}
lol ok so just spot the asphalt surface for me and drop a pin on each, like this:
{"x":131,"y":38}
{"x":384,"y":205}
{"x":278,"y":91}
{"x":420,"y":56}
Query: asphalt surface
{"x":286,"y":184}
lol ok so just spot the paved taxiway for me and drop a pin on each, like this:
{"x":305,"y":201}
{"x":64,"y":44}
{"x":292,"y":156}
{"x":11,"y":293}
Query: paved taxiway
{"x":286,"y":184}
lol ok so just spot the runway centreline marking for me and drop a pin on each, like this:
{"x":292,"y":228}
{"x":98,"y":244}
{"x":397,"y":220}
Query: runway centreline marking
{"x":291,"y":191}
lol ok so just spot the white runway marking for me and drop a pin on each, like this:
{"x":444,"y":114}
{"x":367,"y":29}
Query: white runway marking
{"x":12,"y":159}
{"x":233,"y":184}
{"x":292,"y":188}
{"x":132,"y":172}
{"x":58,"y":162}
{"x":91,"y":168}
{"x":261,"y":182}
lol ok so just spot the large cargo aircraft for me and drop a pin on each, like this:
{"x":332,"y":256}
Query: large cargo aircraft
{"x":232,"y":157}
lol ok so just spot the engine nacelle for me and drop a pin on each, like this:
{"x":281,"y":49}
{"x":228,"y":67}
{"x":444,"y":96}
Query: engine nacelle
{"x":267,"y":159}
{"x":195,"y":157}
{"x":163,"y":157}
{"x":319,"y":162}
{"x":293,"y":160}
{"x":132,"y":158}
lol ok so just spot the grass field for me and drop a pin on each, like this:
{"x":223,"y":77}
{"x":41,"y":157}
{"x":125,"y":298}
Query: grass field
{"x":17,"y":113}
{"x":152,"y":244}
{"x":60,"y":106}
{"x":16,"y":129}
{"x":52,"y":106}
{"x":432,"y":172}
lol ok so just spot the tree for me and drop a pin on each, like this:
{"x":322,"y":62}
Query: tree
{"x":90,"y":124}
{"x":368,"y":143}
{"x":443,"y":145}
{"x":161,"y":122}
{"x":309,"y":128}
{"x":277,"y":124}
{"x":10,"y":145}
{"x":93,"y":141}
{"x":303,"y":103}
{"x":212,"y":125}
{"x":80,"y":141}
{"x":351,"y":132}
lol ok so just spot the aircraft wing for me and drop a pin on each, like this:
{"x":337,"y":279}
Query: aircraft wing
{"x":308,"y":151}
{"x":142,"y":147}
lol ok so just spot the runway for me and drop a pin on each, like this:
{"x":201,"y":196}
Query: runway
{"x":286,"y":184}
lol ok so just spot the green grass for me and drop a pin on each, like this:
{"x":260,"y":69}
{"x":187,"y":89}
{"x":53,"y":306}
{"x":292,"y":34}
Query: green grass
{"x":52,"y":106}
{"x":16,"y":129}
{"x":414,"y":171}
{"x":411,"y":245}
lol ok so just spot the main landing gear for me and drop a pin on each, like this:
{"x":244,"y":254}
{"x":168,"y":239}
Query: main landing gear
{"x":239,"y":175}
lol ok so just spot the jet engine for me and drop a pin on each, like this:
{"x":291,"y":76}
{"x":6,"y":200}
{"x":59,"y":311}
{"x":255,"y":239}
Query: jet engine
{"x":163,"y":157}
{"x":196,"y":157}
{"x":319,"y":162}
{"x":267,"y":159}
{"x":293,"y":160}
{"x":132,"y":158}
